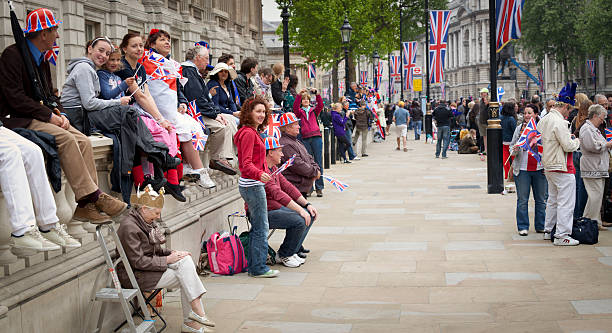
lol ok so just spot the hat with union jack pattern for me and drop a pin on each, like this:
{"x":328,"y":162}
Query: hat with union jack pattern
{"x":272,"y":143}
{"x":288,"y":119}
{"x":40,"y":19}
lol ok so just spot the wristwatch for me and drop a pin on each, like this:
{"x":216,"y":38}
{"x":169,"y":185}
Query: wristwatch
{"x":307,"y":204}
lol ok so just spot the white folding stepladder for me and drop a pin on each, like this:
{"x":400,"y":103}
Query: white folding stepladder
{"x":116,"y":293}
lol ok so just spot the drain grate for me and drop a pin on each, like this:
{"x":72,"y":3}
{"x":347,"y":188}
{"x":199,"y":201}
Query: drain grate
{"x":461,"y":187}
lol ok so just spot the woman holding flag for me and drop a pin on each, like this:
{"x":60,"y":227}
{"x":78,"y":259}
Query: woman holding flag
{"x":528,"y":173}
{"x":594,"y":162}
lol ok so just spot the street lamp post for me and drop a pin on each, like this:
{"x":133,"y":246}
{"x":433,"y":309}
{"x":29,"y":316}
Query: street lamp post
{"x":495,"y":176}
{"x":345,"y":31}
{"x":375,"y":59}
{"x":285,"y":15}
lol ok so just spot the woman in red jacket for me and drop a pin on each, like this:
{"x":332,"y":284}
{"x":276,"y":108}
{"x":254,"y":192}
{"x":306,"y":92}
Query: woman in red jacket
{"x":311,"y":134}
{"x":254,"y":116}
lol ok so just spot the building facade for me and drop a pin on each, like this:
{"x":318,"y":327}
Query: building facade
{"x":230,"y":26}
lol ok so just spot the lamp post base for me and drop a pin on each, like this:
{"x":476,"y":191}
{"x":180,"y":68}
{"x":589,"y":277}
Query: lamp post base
{"x":495,"y":168}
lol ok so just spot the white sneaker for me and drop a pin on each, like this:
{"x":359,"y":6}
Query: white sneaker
{"x":523,"y":232}
{"x":298,"y":259}
{"x":290,"y":262}
{"x":60,"y":230}
{"x":566,"y":241}
{"x":205,"y":180}
{"x":32,"y":242}
{"x":546,"y":235}
{"x":357,"y":158}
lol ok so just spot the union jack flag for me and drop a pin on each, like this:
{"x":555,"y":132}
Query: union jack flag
{"x":531,"y":137}
{"x":438,"y":36}
{"x":443,"y":90}
{"x":160,"y":68}
{"x":285,"y":165}
{"x":392,"y":86}
{"x":379,"y":73}
{"x":541,"y":79}
{"x":409,"y":53}
{"x":608,"y":134}
{"x":273,"y":126}
{"x":363,"y":78}
{"x":371,"y":107}
{"x":199,"y":140}
{"x":340,"y":88}
{"x":508,"y":17}
{"x":591,"y":65}
{"x":396,"y":66}
{"x":51,"y":55}
{"x":312,"y":72}
{"x":338,"y":184}
{"x":194,"y":112}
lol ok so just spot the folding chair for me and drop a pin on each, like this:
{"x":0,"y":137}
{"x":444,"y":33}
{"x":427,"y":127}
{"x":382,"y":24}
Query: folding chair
{"x":136,"y":311}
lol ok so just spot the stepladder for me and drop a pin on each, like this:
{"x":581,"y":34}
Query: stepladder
{"x":113,"y":292}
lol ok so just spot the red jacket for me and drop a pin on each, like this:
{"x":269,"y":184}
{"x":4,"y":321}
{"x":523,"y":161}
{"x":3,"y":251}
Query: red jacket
{"x":251,"y":153}
{"x":310,"y":126}
{"x":279,"y":191}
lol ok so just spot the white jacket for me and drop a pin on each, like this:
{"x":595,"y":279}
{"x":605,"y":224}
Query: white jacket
{"x":556,"y":141}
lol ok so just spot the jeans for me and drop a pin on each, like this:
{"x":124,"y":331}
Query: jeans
{"x":349,"y":136}
{"x":443,"y":134}
{"x":314,"y":146}
{"x":255,"y":198}
{"x":581,"y":193}
{"x":417,"y":129}
{"x":295,"y":226}
{"x":535,"y":181}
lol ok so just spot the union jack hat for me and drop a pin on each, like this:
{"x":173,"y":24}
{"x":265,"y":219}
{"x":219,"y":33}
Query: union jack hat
{"x":287,"y":119}
{"x":272,"y":143}
{"x":40,"y":19}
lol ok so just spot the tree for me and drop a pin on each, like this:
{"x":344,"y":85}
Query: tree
{"x":549,"y":28}
{"x":594,"y":27}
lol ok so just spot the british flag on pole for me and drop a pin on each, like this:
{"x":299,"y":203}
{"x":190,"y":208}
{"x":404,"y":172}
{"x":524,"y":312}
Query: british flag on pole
{"x":363,"y":78}
{"x":379,"y":73}
{"x":438,"y":36}
{"x":508,"y":17}
{"x":591,"y":65}
{"x":409,"y":53}
{"x":312,"y":72}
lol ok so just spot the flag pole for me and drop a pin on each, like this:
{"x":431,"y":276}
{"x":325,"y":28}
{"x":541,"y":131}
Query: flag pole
{"x":495,"y":174}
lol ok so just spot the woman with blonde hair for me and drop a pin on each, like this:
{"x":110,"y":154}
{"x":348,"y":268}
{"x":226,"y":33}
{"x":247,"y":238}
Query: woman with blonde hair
{"x":577,"y":122}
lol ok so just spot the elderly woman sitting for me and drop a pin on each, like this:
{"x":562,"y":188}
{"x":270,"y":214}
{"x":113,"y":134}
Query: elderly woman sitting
{"x":594,"y":162}
{"x":157,"y":267}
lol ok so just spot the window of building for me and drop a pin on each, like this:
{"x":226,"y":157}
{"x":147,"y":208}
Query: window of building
{"x":173,"y":4}
{"x":92,"y":30}
{"x":176,"y":49}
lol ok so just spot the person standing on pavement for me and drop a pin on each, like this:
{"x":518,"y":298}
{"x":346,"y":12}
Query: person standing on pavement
{"x":339,"y":122}
{"x":401,"y":118}
{"x":363,"y":117}
{"x":558,"y":144}
{"x":508,"y":124}
{"x":483,"y":116}
{"x":443,"y":117}
{"x":416,"y":115}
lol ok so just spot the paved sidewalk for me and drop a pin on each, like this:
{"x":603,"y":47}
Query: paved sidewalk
{"x":400,"y":251}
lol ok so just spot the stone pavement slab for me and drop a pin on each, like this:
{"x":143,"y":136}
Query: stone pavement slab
{"x":417,"y":245}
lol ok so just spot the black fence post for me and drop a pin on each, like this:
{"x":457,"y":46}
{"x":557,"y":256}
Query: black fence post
{"x":326,"y":148}
{"x":332,"y":144}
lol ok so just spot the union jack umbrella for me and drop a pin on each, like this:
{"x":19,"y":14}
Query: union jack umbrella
{"x":508,"y":17}
{"x":591,"y":65}
{"x":338,"y":184}
{"x":285,"y":165}
{"x":438,"y":36}
{"x":363,"y":78}
{"x":51,"y":55}
{"x":379,"y":73}
{"x":273,"y":128}
{"x":199,"y":140}
{"x":194,"y":112}
{"x":409,"y":53}
{"x":608,"y":134}
{"x":312,"y":72}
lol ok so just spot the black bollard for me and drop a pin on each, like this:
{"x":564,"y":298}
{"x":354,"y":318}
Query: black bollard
{"x":326,"y":148}
{"x":332,"y":144}
{"x":495,"y":167}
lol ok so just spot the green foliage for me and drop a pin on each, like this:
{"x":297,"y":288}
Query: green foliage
{"x":595,"y":27}
{"x":414,"y":11}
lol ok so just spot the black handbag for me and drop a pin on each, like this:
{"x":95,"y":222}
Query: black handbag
{"x":584,"y":230}
{"x":78,"y":119}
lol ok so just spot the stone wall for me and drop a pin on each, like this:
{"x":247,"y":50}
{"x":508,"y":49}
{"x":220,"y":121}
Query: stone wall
{"x":39,"y":289}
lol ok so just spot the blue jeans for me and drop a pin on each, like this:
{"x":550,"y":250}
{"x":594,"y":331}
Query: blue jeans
{"x":417,"y":129}
{"x":443,"y":134}
{"x":581,"y":193}
{"x":536,"y":181}
{"x":348,"y":134}
{"x":314,"y":146}
{"x":295,"y":226}
{"x":255,"y":198}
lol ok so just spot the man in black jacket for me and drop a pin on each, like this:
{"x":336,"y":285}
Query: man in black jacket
{"x":248,"y":69}
{"x":222,"y":127}
{"x":443,"y":116}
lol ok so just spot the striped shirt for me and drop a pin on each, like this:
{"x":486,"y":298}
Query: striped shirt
{"x":246,"y":182}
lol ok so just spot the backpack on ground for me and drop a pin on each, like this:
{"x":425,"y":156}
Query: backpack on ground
{"x":244,"y":238}
{"x":226,"y":254}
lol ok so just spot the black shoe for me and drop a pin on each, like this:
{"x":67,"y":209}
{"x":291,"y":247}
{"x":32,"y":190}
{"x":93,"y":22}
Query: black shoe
{"x":303,"y":250}
{"x":302,"y":255}
{"x":223,"y":166}
{"x":319,"y":193}
{"x":156,"y":183}
{"x":175,"y":192}
{"x":347,"y":161}
{"x":364,"y":155}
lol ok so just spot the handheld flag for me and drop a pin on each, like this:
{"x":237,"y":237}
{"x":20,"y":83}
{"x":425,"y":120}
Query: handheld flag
{"x":338,"y":184}
{"x":608,"y":134}
{"x":529,"y":138}
{"x":508,"y":17}
{"x":160,"y":68}
{"x":438,"y":36}
{"x":194,"y":112}
{"x":51,"y":55}
{"x":409,"y":53}
{"x":199,"y":140}
{"x":285,"y":165}
{"x":273,"y":128}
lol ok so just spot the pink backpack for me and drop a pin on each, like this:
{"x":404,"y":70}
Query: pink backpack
{"x":226,"y":254}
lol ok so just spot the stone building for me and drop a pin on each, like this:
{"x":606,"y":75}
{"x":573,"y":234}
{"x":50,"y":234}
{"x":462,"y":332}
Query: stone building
{"x":274,"y":46}
{"x":233,"y":26}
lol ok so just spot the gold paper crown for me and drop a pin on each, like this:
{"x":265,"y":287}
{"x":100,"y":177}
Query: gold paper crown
{"x":148,"y":197}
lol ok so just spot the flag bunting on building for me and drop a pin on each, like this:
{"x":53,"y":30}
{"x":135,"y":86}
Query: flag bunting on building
{"x":338,"y":184}
{"x":379,"y":73}
{"x":541,"y":79}
{"x":409,"y":53}
{"x":285,"y":165}
{"x":363,"y":78}
{"x":508,"y":17}
{"x":438,"y":36}
{"x":312,"y":72}
{"x":273,"y":128}
{"x":51,"y":55}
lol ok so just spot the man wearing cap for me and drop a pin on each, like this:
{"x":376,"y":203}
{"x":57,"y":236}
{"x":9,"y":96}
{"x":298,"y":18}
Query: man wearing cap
{"x":558,"y":144}
{"x":304,"y":170}
{"x":483,"y":116}
{"x":18,"y":100}
{"x":220,"y":142}
{"x":287,"y":208}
